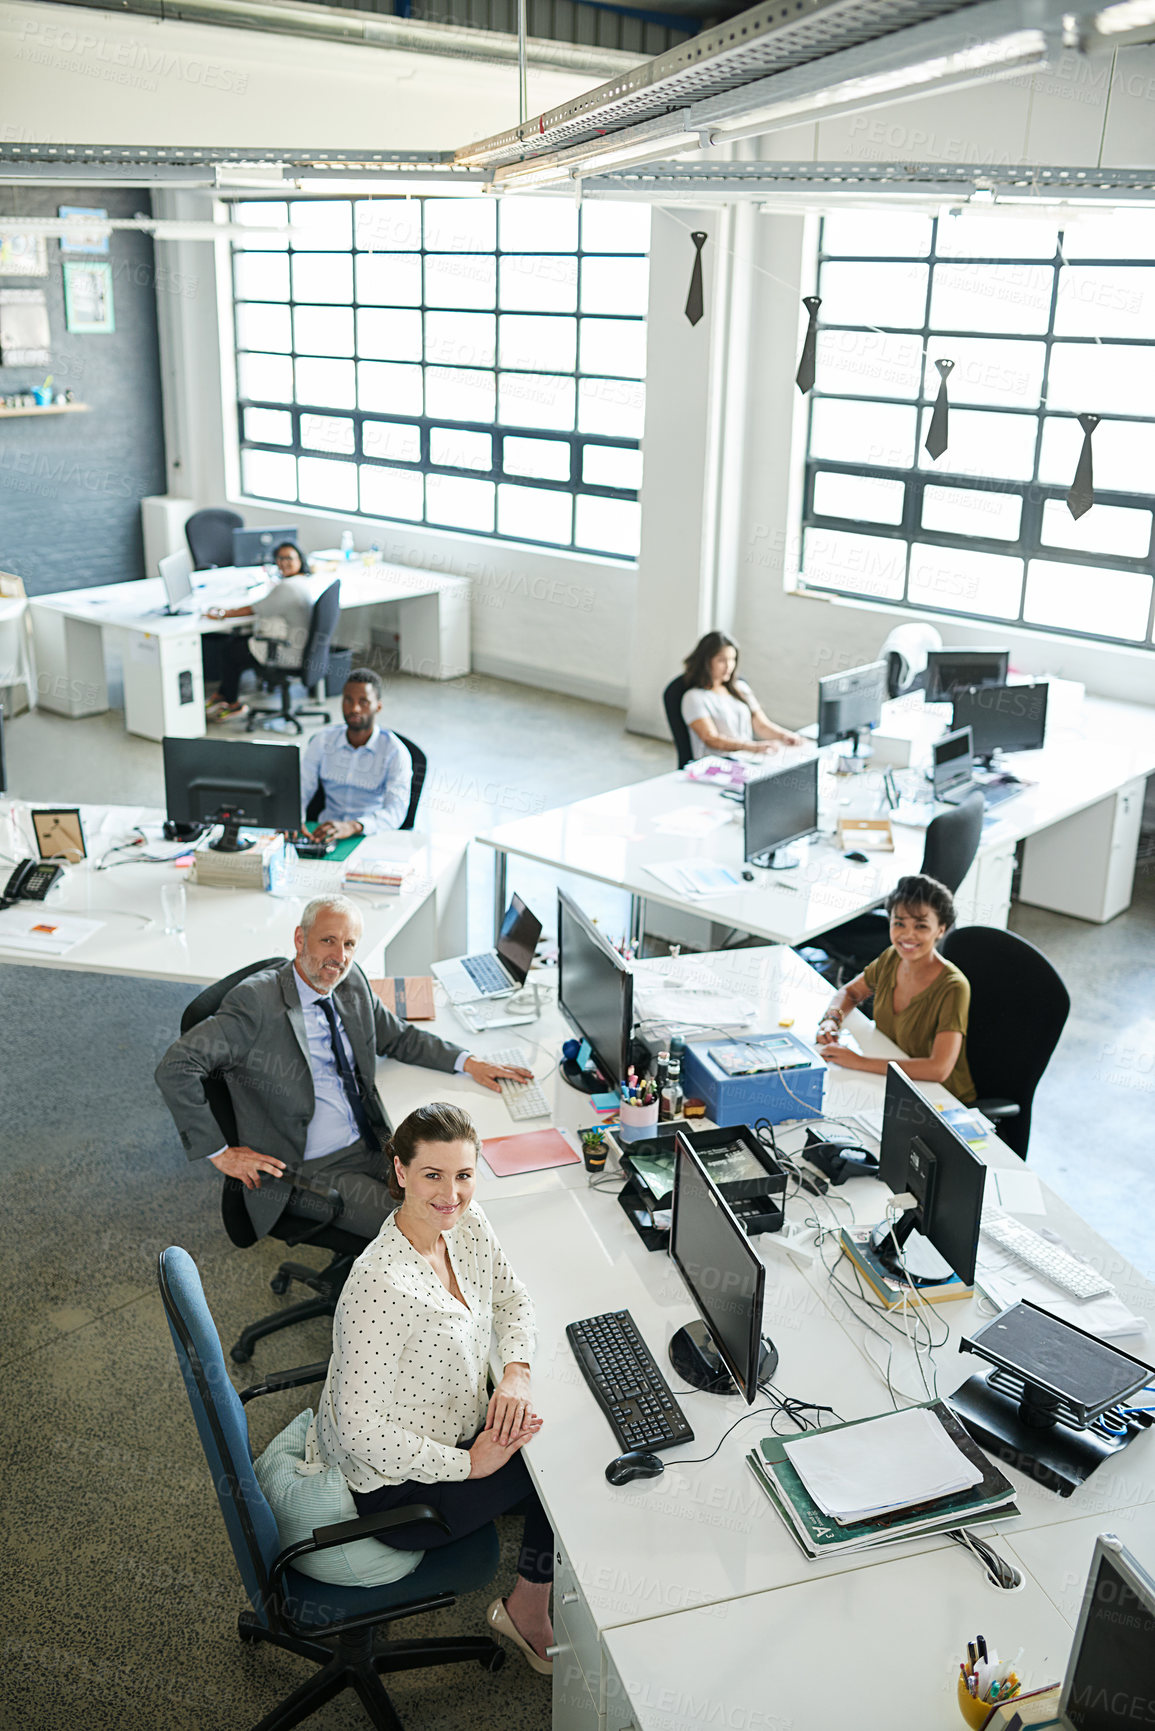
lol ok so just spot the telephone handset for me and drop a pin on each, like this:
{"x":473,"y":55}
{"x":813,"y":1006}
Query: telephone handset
{"x":30,"y":882}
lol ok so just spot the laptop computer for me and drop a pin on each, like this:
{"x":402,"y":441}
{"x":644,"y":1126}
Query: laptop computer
{"x":953,"y":777}
{"x":495,"y":973}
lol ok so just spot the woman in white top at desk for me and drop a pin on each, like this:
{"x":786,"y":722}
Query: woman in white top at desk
{"x":289,"y":604}
{"x":405,"y":1413}
{"x":720,"y":709}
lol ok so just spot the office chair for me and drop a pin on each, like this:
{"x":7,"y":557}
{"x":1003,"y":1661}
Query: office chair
{"x":672,"y":700}
{"x":210,"y":537}
{"x":291,"y":1610}
{"x":314,"y":663}
{"x":420,"y":763}
{"x":1019,"y":1007}
{"x":325,"y":1282}
{"x":952,"y":840}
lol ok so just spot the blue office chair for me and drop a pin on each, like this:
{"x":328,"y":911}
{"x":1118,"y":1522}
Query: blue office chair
{"x":314,"y":666}
{"x":289,"y":1609}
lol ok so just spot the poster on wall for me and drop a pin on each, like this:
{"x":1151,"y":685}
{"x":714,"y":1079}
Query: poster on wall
{"x":24,"y":333}
{"x":79,"y":238}
{"x":88,"y":299}
{"x":23,"y":255}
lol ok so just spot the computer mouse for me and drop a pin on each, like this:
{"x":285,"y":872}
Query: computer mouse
{"x":858,"y":858}
{"x":841,"y":1160}
{"x":634,"y":1465}
{"x":749,"y":876}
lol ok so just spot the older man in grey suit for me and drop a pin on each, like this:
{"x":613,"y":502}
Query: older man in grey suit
{"x":296,"y":1046}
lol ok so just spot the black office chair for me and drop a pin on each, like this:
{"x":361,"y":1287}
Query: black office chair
{"x":1019,"y":1007}
{"x":420,"y":763}
{"x":952,"y":840}
{"x":672,"y":699}
{"x":343,"y":1630}
{"x":314,"y":666}
{"x":291,"y":1229}
{"x":210,"y":537}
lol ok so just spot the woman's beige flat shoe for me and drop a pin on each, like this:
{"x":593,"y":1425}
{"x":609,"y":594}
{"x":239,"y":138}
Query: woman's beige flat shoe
{"x":499,"y":1618}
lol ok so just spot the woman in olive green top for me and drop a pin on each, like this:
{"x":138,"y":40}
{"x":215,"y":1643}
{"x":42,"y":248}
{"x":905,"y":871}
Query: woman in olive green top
{"x":921,"y":1001}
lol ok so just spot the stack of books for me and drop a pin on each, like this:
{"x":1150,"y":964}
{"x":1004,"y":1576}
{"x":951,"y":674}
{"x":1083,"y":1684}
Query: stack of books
{"x":261,"y":867}
{"x":387,"y":877}
{"x":877,"y":1481}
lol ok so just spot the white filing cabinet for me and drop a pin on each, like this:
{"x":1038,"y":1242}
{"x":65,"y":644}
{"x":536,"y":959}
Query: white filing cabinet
{"x":577,"y":1663}
{"x":984,"y":896}
{"x":1085,"y":865}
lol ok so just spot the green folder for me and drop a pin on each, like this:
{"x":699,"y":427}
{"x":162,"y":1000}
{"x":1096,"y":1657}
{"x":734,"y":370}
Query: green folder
{"x":343,"y":848}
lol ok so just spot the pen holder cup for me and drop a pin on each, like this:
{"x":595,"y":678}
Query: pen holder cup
{"x":974,"y":1711}
{"x":638,"y":1117}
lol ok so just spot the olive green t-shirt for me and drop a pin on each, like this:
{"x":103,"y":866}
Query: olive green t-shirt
{"x":940,"y":1008}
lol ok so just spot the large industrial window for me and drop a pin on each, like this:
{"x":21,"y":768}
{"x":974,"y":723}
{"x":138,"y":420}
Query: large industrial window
{"x":468,"y":363}
{"x":1043,"y":321}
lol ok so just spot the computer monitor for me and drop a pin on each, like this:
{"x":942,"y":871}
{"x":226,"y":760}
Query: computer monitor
{"x":952,"y":762}
{"x":726,"y":1279}
{"x":595,"y":994}
{"x":1110,"y":1678}
{"x":850,"y":703}
{"x":255,"y":546}
{"x":518,"y":938}
{"x":920,"y":1155}
{"x":176,"y":575}
{"x":1003,"y":717}
{"x":780,"y":808}
{"x":948,"y":670}
{"x":209,"y":781}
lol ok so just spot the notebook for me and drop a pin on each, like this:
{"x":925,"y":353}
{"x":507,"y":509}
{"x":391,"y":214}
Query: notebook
{"x":527,"y":1151}
{"x":408,"y":996}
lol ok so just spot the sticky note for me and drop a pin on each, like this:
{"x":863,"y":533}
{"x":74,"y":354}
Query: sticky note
{"x":584,"y":1055}
{"x":606,"y":1102}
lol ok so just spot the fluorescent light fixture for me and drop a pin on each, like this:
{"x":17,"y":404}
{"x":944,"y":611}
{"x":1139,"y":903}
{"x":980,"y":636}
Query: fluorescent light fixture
{"x":980,"y":61}
{"x":389,"y":183}
{"x":57,"y":227}
{"x":1129,"y":15}
{"x":665,"y":138}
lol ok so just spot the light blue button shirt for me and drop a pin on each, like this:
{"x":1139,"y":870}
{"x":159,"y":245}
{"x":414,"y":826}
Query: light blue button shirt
{"x":333,"y":1125}
{"x":366,"y":784}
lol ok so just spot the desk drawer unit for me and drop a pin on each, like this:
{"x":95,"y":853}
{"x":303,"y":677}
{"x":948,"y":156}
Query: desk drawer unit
{"x":984,"y":896}
{"x":1085,"y":865}
{"x":571,"y":1610}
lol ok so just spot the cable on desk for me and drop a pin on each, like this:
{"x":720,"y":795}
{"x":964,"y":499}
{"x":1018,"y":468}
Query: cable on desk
{"x":999,"y":1572}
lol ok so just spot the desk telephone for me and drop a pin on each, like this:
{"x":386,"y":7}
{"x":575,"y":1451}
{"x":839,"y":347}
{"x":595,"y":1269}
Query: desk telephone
{"x":30,"y":882}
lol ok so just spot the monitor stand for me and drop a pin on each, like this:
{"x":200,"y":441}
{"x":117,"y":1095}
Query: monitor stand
{"x":1020,"y":1428}
{"x":698,"y":1362}
{"x":587,"y":1081}
{"x":229,"y":840}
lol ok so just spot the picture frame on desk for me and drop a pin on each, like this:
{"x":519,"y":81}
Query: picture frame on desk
{"x":60,"y":833}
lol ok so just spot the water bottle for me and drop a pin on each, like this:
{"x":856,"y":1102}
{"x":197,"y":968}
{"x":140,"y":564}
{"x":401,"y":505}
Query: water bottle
{"x":346,"y":543}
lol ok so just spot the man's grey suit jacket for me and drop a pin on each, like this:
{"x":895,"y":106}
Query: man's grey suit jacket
{"x":257,"y":1043}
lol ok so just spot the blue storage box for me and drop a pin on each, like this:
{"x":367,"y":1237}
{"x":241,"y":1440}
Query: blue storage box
{"x":776,"y":1094}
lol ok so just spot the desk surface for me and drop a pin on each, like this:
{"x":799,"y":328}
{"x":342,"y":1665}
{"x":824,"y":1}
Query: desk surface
{"x":224,"y":928}
{"x":1094,"y":747}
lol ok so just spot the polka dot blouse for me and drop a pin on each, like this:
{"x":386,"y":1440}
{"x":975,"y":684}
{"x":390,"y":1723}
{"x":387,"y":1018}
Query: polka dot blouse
{"x":407,"y":1380}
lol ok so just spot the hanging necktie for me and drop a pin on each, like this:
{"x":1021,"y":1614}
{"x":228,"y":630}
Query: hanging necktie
{"x":936,"y":433}
{"x":1081,"y":496}
{"x":805,"y":375}
{"x":695,"y":300}
{"x":348,"y":1077}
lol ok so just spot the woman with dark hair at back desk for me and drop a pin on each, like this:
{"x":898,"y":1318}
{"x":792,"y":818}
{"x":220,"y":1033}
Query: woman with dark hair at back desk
{"x":285,"y":612}
{"x":720,"y":709}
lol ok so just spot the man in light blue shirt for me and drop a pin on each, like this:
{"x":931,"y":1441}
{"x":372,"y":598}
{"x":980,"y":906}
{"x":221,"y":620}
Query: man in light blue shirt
{"x":365,"y":771}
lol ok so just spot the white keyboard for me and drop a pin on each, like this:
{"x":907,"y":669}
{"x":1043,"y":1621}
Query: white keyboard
{"x":1054,"y":1264}
{"x":522,"y":1099}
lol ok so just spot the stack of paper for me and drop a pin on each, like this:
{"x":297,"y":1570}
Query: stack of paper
{"x":29,"y":929}
{"x":695,"y":877}
{"x":387,"y":877}
{"x":872,"y":1481}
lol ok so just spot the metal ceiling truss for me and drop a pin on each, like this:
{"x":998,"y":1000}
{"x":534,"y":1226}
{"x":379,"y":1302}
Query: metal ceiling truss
{"x":829,"y":184}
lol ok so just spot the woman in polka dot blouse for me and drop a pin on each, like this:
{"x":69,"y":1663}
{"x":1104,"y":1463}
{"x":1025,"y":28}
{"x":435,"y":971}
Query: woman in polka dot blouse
{"x":405,"y":1413}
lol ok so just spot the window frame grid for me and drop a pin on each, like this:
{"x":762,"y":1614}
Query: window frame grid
{"x":1033,"y":493}
{"x":424,"y":423}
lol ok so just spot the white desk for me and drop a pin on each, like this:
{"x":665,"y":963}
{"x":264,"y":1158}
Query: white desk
{"x":1080,"y":823}
{"x":687,"y":1588}
{"x":77,"y":631}
{"x":225,"y":928}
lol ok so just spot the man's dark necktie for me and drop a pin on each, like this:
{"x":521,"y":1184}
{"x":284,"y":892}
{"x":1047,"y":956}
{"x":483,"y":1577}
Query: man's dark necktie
{"x":936,"y":433}
{"x":804,"y":378}
{"x":1081,"y":495}
{"x":348,"y":1076}
{"x":696,"y":300}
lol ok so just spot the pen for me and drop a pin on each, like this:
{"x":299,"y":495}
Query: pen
{"x":981,"y":1644}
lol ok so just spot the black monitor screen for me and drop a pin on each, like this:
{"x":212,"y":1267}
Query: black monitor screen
{"x":948,"y":670}
{"x":951,"y":1221}
{"x":518,"y":939}
{"x":595,"y":989}
{"x":850,"y":701}
{"x":780,"y":808}
{"x":204,"y":776}
{"x":1003,"y":717}
{"x":1111,"y":1678}
{"x":953,"y":761}
{"x":255,"y":546}
{"x":723,"y":1272}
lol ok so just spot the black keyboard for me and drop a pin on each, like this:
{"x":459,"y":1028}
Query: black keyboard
{"x":626,"y":1382}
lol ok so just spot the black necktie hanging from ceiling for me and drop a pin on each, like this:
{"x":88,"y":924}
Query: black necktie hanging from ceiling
{"x":1081,"y":495}
{"x":804,"y":378}
{"x":695,"y":300}
{"x":936,"y":433}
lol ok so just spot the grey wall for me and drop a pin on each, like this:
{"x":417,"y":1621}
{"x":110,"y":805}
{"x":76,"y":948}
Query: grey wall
{"x":71,"y":485}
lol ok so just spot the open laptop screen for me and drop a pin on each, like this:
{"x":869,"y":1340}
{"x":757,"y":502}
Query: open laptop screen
{"x":518,"y":939}
{"x":953,"y":761}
